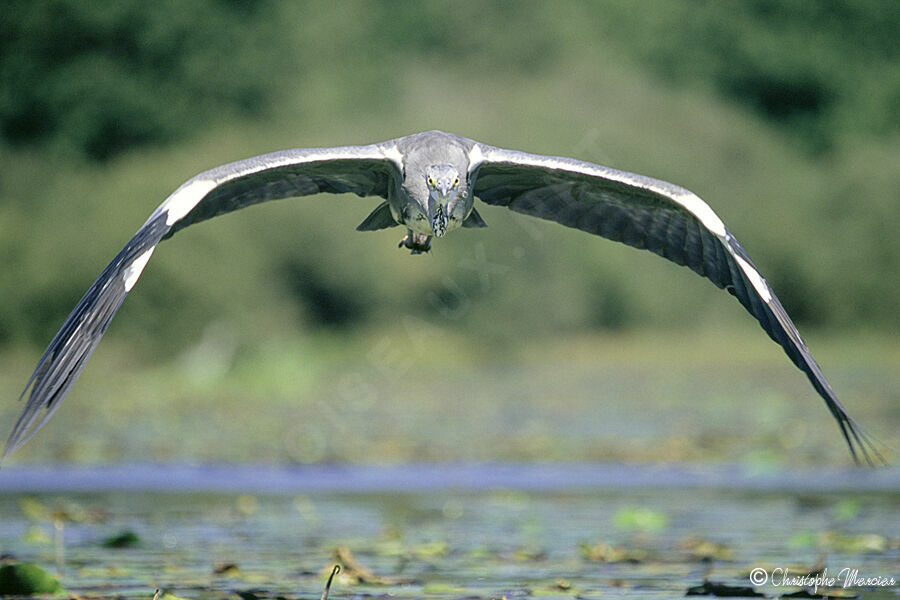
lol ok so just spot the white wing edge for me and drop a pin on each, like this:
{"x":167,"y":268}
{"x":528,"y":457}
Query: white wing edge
{"x":134,"y":269}
{"x":481,"y":154}
{"x":189,"y":194}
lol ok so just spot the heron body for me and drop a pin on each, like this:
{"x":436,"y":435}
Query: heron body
{"x":428,"y":183}
{"x":435,"y":204}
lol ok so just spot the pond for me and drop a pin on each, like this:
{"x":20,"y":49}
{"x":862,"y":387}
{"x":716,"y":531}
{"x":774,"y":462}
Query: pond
{"x":458,"y":531}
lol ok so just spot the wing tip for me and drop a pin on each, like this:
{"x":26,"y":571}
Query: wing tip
{"x":73,"y":344}
{"x":25,"y":426}
{"x":865,"y":448}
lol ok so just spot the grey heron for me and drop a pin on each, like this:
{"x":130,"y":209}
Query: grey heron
{"x":428,"y":182}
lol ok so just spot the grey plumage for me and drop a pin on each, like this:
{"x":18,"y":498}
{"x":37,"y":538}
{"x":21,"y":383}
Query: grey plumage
{"x":428,"y":182}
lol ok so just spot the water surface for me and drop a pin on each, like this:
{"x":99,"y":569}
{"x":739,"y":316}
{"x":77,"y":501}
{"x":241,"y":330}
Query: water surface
{"x":448,"y":531}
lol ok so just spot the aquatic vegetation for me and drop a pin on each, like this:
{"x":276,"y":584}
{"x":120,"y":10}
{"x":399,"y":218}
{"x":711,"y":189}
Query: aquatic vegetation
{"x":126,"y":539}
{"x":25,"y":579}
{"x":494,"y":543}
{"x":713,"y":588}
{"x":641,"y":519}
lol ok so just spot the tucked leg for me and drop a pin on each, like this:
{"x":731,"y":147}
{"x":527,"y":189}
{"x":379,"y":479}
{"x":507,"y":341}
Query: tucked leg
{"x":416,"y":242}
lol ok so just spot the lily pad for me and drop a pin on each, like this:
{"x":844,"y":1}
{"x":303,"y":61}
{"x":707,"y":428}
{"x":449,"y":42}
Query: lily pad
{"x":26,"y":579}
{"x":126,"y":539}
{"x":721,"y":590}
{"x":641,"y":519}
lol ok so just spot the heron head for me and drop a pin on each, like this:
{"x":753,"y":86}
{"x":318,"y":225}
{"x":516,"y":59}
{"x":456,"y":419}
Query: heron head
{"x":443,"y":185}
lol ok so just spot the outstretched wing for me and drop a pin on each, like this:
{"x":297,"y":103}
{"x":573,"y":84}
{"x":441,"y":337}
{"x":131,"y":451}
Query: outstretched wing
{"x":657,"y":216}
{"x":362,"y":170}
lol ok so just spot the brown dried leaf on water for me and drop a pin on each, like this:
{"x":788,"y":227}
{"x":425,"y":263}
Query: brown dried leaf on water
{"x":353,"y":572}
{"x":562,"y":584}
{"x":703,"y":549}
{"x":228,"y":569}
{"x":529,"y":554}
{"x":62,"y":510}
{"x":604,"y":552}
{"x":34,"y":509}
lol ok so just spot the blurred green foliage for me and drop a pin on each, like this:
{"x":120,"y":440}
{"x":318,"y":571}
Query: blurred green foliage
{"x":819,"y":70}
{"x":103,"y":79}
{"x":782,"y":115}
{"x":100,"y":79}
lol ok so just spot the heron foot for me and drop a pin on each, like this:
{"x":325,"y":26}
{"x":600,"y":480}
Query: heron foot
{"x":417,"y":243}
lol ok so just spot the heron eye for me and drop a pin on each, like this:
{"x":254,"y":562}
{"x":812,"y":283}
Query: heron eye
{"x":431,"y":181}
{"x":456,"y":182}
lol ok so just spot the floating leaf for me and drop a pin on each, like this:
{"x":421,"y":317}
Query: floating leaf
{"x":34,"y":509}
{"x":853,"y":544}
{"x":562,"y":584}
{"x":641,"y":519}
{"x":228,"y":569}
{"x":603,"y":552}
{"x":721,"y":590}
{"x":126,"y":539}
{"x":352,"y":570}
{"x":529,"y":553}
{"x":829,"y":593}
{"x":25,"y":579}
{"x":701,"y":549}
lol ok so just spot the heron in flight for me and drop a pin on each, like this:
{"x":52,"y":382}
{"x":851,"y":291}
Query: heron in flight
{"x":428,"y":182}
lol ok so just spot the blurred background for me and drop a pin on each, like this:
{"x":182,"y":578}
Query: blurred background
{"x":279,"y":334}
